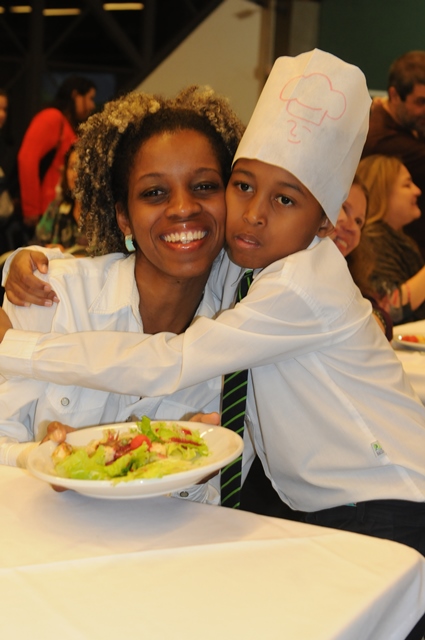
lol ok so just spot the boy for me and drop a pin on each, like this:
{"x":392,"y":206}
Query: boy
{"x":331,"y":415}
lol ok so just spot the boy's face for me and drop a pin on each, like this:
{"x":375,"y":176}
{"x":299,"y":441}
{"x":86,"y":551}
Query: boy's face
{"x":270,"y":214}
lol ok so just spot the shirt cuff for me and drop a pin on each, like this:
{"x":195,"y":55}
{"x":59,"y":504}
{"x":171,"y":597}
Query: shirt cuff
{"x":204,"y":493}
{"x":16,"y":351}
{"x":15,"y":454}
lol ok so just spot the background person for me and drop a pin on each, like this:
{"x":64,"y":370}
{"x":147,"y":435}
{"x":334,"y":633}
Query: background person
{"x":59,"y":224}
{"x":48,"y":137}
{"x":7,"y":191}
{"x":391,"y":262}
{"x":6,"y":203}
{"x":397,"y":127}
{"x":347,"y":235}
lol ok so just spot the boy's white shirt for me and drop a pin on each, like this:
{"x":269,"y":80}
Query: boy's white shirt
{"x":340,"y":422}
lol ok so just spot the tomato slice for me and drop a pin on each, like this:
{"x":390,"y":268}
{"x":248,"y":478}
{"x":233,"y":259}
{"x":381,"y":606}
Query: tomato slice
{"x":138,"y":441}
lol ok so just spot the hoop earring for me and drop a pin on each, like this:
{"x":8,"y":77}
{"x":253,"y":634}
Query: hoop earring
{"x":129,"y":245}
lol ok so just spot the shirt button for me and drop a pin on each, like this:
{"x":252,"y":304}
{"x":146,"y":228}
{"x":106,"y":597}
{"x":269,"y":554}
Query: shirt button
{"x":183,"y":494}
{"x":65,"y":402}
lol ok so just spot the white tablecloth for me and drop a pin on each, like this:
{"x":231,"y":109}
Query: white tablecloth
{"x":413,"y":361}
{"x":73,"y":568}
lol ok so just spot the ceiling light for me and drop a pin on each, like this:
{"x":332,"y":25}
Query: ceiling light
{"x":61,"y":12}
{"x":123,"y":6}
{"x":20,"y":9}
{"x":71,"y":11}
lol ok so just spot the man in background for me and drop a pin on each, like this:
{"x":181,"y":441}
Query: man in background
{"x":397,"y":127}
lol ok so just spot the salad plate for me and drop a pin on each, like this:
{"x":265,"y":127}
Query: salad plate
{"x":224,"y":446}
{"x":415,"y":342}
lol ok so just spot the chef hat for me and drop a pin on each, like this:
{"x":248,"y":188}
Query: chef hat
{"x":312,"y":119}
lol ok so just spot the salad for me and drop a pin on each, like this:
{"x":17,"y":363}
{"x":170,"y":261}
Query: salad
{"x":147,"y":450}
{"x":418,"y":339}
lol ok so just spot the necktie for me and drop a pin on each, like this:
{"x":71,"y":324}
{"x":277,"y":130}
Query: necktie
{"x":233,"y":417}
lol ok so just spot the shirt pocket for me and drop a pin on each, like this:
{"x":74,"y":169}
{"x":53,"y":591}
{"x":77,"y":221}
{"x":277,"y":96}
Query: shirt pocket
{"x":75,"y":406}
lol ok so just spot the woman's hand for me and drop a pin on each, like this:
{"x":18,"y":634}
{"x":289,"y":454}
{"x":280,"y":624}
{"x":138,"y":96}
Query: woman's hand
{"x":57,"y":432}
{"x":5,"y":323}
{"x":23,"y":287}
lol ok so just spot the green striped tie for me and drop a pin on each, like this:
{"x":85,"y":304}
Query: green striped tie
{"x":233,"y":417}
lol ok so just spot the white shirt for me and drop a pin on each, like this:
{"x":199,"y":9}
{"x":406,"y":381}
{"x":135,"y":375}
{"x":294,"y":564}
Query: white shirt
{"x":95,"y":295}
{"x":340,"y":423}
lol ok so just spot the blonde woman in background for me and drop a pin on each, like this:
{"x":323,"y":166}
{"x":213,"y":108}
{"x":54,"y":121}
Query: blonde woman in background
{"x":391,"y":262}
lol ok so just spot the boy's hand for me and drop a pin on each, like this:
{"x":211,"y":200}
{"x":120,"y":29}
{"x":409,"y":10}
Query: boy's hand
{"x":5,"y":323}
{"x":23,"y":287}
{"x":206,"y":418}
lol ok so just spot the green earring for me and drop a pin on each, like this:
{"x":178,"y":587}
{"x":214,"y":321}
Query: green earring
{"x":129,"y":245}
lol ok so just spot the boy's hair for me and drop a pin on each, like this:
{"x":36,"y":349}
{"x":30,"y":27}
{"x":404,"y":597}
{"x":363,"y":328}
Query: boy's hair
{"x":108,"y":142}
{"x":378,"y":173}
{"x":406,"y":71}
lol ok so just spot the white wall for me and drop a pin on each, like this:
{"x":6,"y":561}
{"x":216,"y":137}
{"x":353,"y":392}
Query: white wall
{"x":228,"y":52}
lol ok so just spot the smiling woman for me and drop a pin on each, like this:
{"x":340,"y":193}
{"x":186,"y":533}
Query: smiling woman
{"x":154,"y":171}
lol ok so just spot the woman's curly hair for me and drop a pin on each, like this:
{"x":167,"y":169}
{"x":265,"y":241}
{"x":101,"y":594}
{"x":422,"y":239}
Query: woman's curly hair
{"x":108,"y":142}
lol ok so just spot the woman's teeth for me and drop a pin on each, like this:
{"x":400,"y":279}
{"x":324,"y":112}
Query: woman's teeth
{"x":185,"y":236}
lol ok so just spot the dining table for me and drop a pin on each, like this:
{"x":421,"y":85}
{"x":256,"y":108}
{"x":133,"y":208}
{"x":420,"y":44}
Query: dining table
{"x":75,"y":567}
{"x":412,"y":356}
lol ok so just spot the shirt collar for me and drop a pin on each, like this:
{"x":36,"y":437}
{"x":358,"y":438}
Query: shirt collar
{"x":119,"y":290}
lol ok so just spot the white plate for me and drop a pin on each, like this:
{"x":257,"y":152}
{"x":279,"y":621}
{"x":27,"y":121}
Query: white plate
{"x":414,"y":346}
{"x":224,"y":446}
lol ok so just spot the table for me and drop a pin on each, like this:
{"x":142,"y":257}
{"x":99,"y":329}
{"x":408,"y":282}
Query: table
{"x":74,"y":567}
{"x":413,"y":361}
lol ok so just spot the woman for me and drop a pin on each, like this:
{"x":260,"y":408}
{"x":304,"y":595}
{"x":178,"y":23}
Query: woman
{"x":152,"y":178}
{"x":393,"y":266}
{"x":59,"y":225}
{"x":6,"y":201}
{"x":347,"y":236}
{"x":48,"y":137}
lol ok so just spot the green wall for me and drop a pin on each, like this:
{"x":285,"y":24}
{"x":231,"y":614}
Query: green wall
{"x":372,"y":33}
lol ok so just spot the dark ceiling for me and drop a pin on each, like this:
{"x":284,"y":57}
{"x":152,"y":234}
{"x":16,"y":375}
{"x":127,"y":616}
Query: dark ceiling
{"x":123,"y":45}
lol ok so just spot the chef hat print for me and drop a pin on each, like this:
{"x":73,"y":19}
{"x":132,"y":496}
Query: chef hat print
{"x":312,"y":119}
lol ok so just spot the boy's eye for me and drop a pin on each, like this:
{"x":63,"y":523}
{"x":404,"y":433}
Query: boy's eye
{"x":243,"y":186}
{"x":285,"y":200}
{"x":359,"y":222}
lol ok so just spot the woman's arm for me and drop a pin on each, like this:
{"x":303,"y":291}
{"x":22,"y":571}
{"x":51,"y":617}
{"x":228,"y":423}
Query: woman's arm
{"x":413,"y":290}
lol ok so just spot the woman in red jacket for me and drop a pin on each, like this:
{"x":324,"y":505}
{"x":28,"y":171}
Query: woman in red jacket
{"x":46,"y":141}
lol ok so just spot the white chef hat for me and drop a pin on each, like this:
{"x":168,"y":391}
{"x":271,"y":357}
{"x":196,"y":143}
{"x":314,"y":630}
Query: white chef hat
{"x":312,"y":119}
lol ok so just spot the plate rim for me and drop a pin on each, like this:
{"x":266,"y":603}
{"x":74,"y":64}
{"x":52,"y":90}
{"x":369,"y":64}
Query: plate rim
{"x":149,"y":487}
{"x":412,"y":346}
